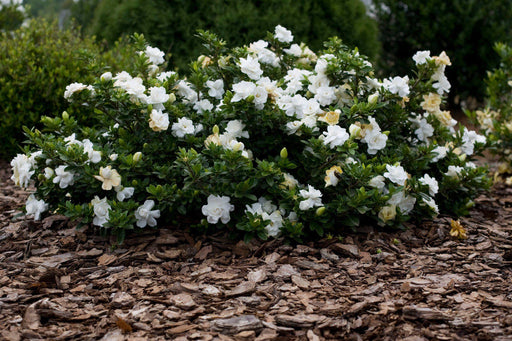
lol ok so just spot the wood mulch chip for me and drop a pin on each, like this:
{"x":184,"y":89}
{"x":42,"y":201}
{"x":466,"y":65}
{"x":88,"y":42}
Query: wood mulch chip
{"x":60,"y":283}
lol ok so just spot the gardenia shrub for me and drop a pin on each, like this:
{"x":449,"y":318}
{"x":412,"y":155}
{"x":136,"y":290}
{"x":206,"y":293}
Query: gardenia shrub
{"x":495,"y":120}
{"x":270,"y":139}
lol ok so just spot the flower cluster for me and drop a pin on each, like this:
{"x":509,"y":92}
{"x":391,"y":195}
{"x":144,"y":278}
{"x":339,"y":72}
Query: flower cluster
{"x":270,"y":139}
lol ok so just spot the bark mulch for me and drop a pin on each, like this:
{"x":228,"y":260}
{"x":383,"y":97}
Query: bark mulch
{"x":60,"y":283}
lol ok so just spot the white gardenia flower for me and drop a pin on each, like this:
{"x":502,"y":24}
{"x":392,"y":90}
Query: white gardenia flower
{"x":134,"y":88}
{"x":396,"y":174}
{"x":260,"y":97}
{"x":441,"y":153}
{"x":325,"y":95}
{"x":424,"y":131}
{"x":398,"y":85}
{"x":267,"y":205}
{"x":158,"y":120}
{"x":335,"y":136}
{"x":430,"y":202}
{"x":454,"y":171}
{"x":276,"y":222}
{"x":155,"y":55}
{"x":76,"y":87}
{"x":294,"y":50}
{"x":293,"y":127}
{"x":433,"y":185}
{"x":469,"y":139}
{"x":35,"y":207}
{"x":124,"y":192}
{"x":243,"y":90}
{"x":235,"y":129}
{"x":294,"y":79}
{"x":255,"y":209}
{"x":403,"y":201}
{"x":145,"y":215}
{"x":267,"y":56}
{"x":421,"y":57}
{"x":375,"y":141}
{"x":186,"y":91}
{"x":101,"y":208}
{"x":158,"y":96}
{"x":183,"y":127}
{"x":216,"y":88}
{"x":93,"y":155}
{"x":251,"y":67}
{"x":203,"y":105}
{"x":22,"y":170}
{"x":218,"y":207}
{"x":377,"y":182}
{"x":442,"y":85}
{"x":283,"y":35}
{"x":121,"y":77}
{"x":312,"y":196}
{"x":63,"y":177}
{"x":162,"y":77}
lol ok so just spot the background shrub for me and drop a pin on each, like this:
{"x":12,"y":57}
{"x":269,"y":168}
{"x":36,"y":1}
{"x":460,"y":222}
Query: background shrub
{"x":37,"y":62}
{"x":465,"y":29}
{"x":12,"y":14}
{"x":495,"y":120}
{"x":171,"y":25}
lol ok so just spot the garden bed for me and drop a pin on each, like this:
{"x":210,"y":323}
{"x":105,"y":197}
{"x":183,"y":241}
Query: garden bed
{"x":60,"y":283}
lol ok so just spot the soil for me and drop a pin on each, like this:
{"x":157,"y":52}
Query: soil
{"x":60,"y":283}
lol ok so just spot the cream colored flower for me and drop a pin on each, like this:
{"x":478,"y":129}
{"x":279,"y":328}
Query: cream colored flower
{"x":158,"y":120}
{"x":443,"y":59}
{"x":289,"y":181}
{"x":445,"y":118}
{"x":331,"y":177}
{"x":431,"y":102}
{"x":110,"y":178}
{"x":331,"y":117}
{"x":387,"y":213}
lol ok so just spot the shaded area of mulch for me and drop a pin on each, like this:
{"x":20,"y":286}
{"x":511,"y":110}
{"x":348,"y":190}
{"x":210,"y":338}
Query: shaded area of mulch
{"x":60,"y":283}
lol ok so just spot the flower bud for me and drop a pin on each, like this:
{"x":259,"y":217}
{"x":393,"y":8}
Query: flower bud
{"x":320,"y":211}
{"x":284,"y":153}
{"x":355,"y":131}
{"x":250,"y":98}
{"x":373,"y":98}
{"x":215,"y":129}
{"x":65,"y":115}
{"x":172,"y":98}
{"x":107,"y":76}
{"x":137,"y":156}
{"x":462,"y":157}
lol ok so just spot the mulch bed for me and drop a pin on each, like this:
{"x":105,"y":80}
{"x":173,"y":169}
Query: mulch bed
{"x":60,"y":283}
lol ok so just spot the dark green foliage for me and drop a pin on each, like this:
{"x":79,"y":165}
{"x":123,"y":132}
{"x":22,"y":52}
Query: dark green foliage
{"x":11,"y":17}
{"x":465,"y":29}
{"x":171,"y":25}
{"x":36,"y":64}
